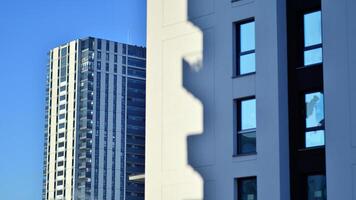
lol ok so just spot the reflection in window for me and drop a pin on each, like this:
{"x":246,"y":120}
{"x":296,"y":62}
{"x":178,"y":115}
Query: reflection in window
{"x":246,"y":126}
{"x":247,"y":188}
{"x":316,"y":187}
{"x":314,"y":119}
{"x":246,"y":47}
{"x":312,"y":38}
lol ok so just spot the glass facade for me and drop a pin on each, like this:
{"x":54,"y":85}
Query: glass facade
{"x":86,"y":95}
{"x":133,"y":120}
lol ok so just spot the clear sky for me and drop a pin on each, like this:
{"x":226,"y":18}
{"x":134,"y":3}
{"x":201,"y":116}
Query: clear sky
{"x":28,"y":30}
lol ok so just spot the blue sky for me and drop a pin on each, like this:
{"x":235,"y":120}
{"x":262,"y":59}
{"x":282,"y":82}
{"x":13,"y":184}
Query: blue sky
{"x":29,"y":28}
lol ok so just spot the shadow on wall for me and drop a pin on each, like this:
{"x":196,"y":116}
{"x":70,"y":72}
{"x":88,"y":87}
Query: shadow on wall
{"x":198,"y":79}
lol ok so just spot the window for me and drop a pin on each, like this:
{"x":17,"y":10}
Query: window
{"x":107,"y":67}
{"x":98,"y":65}
{"x":115,"y":68}
{"x":60,"y":163}
{"x":63,"y":97}
{"x":115,"y":47}
{"x":98,"y":56}
{"x":60,"y":135}
{"x":59,"y":192}
{"x":124,"y":49}
{"x":61,"y":144}
{"x":61,"y":125}
{"x":115,"y":58}
{"x":60,"y":173}
{"x":63,"y":51}
{"x":245,"y":47}
{"x":60,"y":154}
{"x":60,"y":182}
{"x":124,"y":60}
{"x":62,"y":107}
{"x":62,"y":88}
{"x":316,"y":187}
{"x":312,"y":38}
{"x":247,"y":188}
{"x":107,"y":57}
{"x":99,"y":43}
{"x":136,"y":62}
{"x":314,"y":119}
{"x":246,"y":126}
{"x":107,"y":45}
{"x":61,"y":116}
{"x":136,"y":51}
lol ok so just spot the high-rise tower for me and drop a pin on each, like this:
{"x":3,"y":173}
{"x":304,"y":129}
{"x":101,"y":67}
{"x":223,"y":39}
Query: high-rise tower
{"x":95,"y":121}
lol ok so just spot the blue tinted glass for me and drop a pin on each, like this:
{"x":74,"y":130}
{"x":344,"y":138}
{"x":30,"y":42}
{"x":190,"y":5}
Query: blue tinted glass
{"x":314,"y":138}
{"x":248,"y":114}
{"x":314,"y":103}
{"x":247,"y":189}
{"x":317,"y":187}
{"x":313,"y":56}
{"x":312,"y":28}
{"x":247,"y":37}
{"x":64,"y":51}
{"x":247,"y":63}
{"x":247,"y":142}
{"x":136,"y":62}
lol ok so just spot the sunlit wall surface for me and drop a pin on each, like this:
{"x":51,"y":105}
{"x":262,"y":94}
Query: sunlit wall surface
{"x":251,"y":99}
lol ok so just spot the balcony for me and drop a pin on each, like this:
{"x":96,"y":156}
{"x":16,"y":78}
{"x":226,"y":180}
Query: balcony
{"x":85,"y":145}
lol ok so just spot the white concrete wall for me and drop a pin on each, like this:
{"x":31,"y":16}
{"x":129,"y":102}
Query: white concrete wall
{"x":70,"y":131}
{"x":190,"y":93}
{"x":339,"y":43}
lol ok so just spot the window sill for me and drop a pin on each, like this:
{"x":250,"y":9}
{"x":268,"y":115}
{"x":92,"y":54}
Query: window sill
{"x":312,"y":148}
{"x":310,"y":66}
{"x":240,"y":2}
{"x":243,"y":75}
{"x":244,"y":154}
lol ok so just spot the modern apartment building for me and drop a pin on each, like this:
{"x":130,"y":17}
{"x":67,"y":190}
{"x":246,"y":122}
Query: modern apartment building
{"x":251,"y":99}
{"x":95,"y":121}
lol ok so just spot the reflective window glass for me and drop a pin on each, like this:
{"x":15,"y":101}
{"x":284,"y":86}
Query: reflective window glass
{"x":248,"y":114}
{"x":314,"y":103}
{"x":247,"y":36}
{"x":314,"y":119}
{"x":312,"y":28}
{"x":316,"y":187}
{"x":313,"y":53}
{"x":247,"y":188}
{"x":246,"y":136}
{"x":246,"y":47}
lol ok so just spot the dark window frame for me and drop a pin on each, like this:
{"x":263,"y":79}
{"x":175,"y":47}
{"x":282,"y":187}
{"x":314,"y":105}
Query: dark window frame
{"x":238,"y":127}
{"x":238,"y":53}
{"x":312,"y":47}
{"x":239,"y":185}
{"x":315,"y":128}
